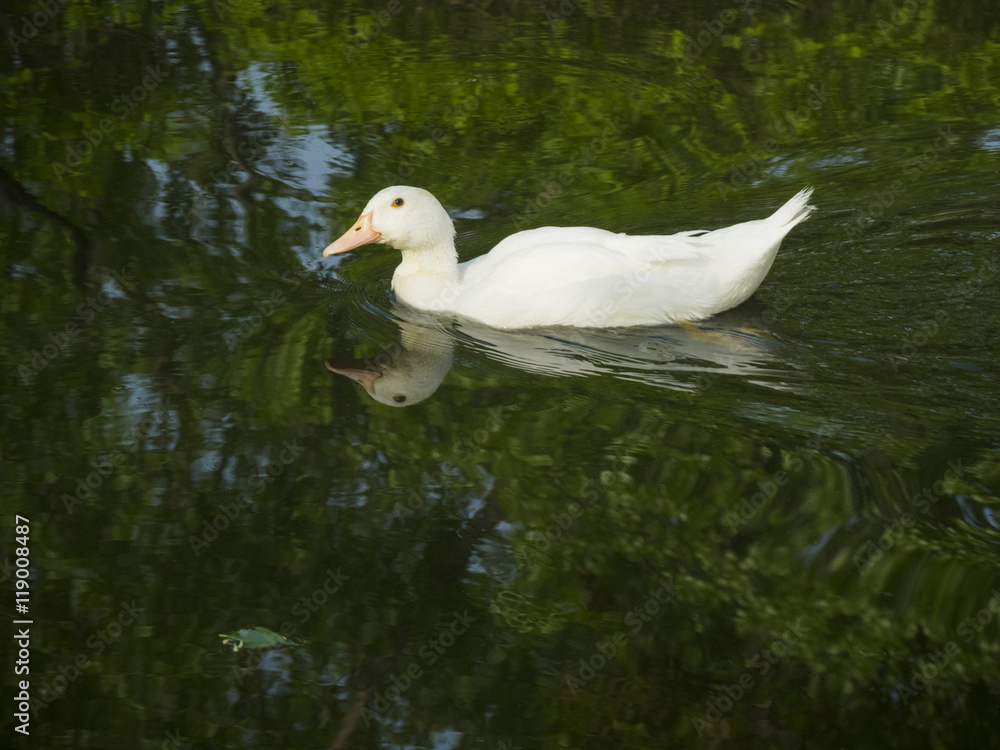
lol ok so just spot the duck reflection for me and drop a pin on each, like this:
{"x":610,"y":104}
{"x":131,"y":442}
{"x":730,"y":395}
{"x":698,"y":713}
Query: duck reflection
{"x":408,"y":371}
{"x":682,"y":358}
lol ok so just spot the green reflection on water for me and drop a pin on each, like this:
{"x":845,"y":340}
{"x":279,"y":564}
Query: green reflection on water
{"x":815,"y":474}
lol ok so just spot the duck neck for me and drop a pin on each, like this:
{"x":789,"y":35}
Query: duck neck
{"x":426,"y":275}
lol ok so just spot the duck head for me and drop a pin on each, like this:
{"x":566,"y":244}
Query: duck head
{"x":406,"y":373}
{"x":408,"y":218}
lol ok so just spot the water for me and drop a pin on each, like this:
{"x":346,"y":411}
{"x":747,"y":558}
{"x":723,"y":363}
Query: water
{"x":776,"y":531}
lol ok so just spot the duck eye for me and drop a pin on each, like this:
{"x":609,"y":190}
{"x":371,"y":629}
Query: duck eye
{"x":399,"y":399}
{"x":398,"y":202}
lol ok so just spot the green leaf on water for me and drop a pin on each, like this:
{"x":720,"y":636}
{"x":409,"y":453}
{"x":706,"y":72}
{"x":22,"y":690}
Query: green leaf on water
{"x":256,"y":637}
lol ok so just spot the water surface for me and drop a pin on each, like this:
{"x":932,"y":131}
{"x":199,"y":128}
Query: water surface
{"x":779,"y":530}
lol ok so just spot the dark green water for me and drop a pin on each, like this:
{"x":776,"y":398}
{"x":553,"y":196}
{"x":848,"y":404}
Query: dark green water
{"x":780,"y":531}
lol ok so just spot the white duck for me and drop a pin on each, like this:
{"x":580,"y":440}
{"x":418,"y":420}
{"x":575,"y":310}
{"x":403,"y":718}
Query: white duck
{"x":570,"y":276}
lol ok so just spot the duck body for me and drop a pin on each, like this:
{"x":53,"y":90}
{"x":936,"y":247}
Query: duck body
{"x":571,"y":276}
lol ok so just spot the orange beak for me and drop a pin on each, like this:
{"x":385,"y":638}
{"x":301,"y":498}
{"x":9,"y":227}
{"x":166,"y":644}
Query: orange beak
{"x":360,"y":234}
{"x":366,"y":378}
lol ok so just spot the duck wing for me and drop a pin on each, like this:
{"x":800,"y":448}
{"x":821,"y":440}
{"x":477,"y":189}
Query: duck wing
{"x":540,"y":257}
{"x":570,"y":276}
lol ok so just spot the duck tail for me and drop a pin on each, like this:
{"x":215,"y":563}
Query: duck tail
{"x":796,"y":210}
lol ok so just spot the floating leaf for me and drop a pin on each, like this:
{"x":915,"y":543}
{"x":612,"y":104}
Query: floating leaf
{"x":256,"y":637}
